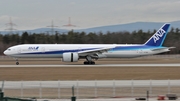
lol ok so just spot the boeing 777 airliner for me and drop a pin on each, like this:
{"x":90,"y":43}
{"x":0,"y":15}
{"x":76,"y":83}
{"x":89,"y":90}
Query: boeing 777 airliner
{"x":74,"y":52}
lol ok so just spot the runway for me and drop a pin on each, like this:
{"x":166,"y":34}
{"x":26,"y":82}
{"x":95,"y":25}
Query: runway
{"x":99,"y":65}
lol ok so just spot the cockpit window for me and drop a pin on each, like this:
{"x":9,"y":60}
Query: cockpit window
{"x":8,"y":49}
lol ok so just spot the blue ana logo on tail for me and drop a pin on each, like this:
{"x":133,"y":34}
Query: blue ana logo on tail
{"x":158,"y":38}
{"x":158,"y":35}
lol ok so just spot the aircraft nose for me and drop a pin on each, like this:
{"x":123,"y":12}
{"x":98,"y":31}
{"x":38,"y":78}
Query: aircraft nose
{"x":5,"y":52}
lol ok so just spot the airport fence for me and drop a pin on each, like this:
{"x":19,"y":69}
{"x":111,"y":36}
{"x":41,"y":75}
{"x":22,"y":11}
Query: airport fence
{"x":90,"y":89}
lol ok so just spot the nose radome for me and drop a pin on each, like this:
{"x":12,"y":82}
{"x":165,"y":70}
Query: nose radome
{"x":5,"y":52}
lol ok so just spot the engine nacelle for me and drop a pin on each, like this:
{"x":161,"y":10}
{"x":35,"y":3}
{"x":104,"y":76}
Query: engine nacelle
{"x":70,"y":57}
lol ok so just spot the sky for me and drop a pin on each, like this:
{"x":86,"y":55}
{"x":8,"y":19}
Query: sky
{"x":32,"y":14}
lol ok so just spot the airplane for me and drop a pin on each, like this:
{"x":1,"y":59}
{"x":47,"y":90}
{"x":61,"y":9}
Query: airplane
{"x":91,"y":52}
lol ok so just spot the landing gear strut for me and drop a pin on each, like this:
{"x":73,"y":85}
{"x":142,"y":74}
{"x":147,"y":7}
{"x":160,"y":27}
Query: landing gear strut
{"x":89,"y":61}
{"x":17,"y":62}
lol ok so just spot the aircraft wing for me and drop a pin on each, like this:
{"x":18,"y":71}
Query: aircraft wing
{"x":157,"y":49}
{"x":98,"y":50}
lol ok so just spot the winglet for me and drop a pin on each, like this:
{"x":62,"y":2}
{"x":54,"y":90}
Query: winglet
{"x":158,"y":38}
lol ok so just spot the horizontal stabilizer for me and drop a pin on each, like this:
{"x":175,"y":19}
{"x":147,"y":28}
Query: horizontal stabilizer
{"x":157,"y":49}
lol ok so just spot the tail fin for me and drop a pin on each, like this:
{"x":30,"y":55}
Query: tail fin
{"x":158,"y":38}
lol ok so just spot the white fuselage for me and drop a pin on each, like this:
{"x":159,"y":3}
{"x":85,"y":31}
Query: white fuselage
{"x":56,"y":50}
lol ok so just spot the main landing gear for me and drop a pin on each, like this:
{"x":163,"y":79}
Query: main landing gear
{"x":89,"y":61}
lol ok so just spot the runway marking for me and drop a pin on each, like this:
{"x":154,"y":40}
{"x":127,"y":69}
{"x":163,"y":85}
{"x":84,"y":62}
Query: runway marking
{"x":99,"y":65}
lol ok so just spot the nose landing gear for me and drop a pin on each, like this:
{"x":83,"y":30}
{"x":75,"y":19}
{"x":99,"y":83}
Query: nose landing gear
{"x":17,"y":62}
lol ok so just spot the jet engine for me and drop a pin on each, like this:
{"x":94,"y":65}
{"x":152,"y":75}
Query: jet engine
{"x":70,"y":57}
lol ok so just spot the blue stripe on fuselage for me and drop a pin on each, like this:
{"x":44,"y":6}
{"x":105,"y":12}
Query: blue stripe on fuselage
{"x":138,"y":47}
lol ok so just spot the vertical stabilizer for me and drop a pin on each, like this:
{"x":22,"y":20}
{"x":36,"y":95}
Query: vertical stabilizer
{"x":158,"y":38}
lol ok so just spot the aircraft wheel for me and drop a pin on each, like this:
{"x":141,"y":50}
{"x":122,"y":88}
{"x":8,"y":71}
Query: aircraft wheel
{"x":17,"y":63}
{"x":92,"y":62}
{"x":86,"y":62}
{"x":89,"y":63}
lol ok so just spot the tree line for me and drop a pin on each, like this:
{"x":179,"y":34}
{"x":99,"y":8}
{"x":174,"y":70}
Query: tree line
{"x":72,"y":37}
